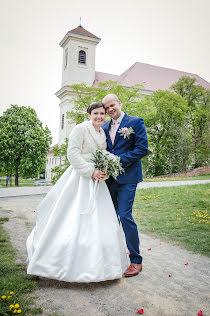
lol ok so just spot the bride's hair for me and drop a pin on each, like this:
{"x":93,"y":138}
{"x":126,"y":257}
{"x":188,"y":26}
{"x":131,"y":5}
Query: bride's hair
{"x":94,"y":105}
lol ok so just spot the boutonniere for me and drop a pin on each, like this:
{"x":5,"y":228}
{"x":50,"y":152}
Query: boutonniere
{"x":126,"y":132}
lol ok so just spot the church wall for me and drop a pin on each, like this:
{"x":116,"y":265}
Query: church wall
{"x":65,"y":106}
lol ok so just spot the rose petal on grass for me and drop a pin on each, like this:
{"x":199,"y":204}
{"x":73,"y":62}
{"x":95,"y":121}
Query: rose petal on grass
{"x":186,"y":264}
{"x":149,"y":249}
{"x":140,"y":219}
{"x":140,"y":311}
{"x":200,"y":313}
{"x":34,"y":211}
{"x":149,"y":234}
{"x":137,"y":213}
{"x":160,"y":243}
{"x":169,"y":275}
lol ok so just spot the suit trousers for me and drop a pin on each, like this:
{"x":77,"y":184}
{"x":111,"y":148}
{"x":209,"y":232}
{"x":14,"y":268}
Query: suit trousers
{"x":123,"y":198}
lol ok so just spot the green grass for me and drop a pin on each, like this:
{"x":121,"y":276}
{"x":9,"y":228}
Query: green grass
{"x":180,"y":215}
{"x":13,"y":277}
{"x":200,"y":177}
{"x":22,"y":183}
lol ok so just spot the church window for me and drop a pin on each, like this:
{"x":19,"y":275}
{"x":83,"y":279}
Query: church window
{"x":82,"y":57}
{"x":62,"y":121}
{"x":66,"y":58}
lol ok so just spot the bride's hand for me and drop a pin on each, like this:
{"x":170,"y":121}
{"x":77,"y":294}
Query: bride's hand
{"x":102,"y":175}
{"x":98,"y":175}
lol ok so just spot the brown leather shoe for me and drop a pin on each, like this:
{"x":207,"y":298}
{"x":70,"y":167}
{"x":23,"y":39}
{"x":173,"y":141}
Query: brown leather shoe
{"x":133,"y":269}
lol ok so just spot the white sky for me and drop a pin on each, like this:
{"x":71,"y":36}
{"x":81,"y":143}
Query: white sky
{"x":168,"y":33}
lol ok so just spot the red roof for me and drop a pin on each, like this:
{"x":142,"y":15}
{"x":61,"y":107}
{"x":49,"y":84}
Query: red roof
{"x":81,"y":31}
{"x":152,"y":77}
{"x":102,"y":76}
{"x":51,"y":151}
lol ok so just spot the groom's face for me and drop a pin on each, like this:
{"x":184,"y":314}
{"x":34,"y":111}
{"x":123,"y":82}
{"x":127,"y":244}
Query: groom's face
{"x":113,"y":108}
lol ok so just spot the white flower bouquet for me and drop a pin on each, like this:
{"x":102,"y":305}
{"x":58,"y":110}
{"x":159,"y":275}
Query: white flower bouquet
{"x":108,"y":163}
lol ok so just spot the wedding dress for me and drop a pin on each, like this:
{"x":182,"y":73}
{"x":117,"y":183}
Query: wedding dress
{"x":77,"y":237}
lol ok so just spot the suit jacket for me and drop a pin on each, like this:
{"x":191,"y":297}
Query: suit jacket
{"x":130,"y":150}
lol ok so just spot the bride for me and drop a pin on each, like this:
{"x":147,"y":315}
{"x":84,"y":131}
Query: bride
{"x":77,"y":236}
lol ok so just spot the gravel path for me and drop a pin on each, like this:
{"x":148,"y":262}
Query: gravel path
{"x":184,"y":293}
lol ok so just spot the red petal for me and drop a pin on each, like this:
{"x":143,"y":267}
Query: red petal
{"x":128,"y":252}
{"x":149,"y":234}
{"x":140,"y":219}
{"x":34,"y":211}
{"x":137,"y":213}
{"x":186,"y":264}
{"x":140,"y":311}
{"x":200,"y":313}
{"x":160,"y":243}
{"x":149,"y":249}
{"x":169,"y":275}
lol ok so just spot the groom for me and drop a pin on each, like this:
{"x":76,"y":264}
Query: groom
{"x":126,"y":138}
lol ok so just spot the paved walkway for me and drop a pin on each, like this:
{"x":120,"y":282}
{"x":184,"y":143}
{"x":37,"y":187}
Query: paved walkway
{"x":146,"y":185}
{"x":24,"y":191}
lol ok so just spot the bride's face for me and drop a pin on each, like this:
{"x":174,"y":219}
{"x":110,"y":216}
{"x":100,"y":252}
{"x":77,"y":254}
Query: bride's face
{"x":97,"y":116}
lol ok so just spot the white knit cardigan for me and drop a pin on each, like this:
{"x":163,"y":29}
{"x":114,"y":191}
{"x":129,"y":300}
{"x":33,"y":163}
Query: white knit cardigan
{"x":83,"y":142}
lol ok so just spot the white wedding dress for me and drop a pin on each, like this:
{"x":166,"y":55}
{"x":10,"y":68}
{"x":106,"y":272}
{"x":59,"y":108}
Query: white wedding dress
{"x":77,"y":237}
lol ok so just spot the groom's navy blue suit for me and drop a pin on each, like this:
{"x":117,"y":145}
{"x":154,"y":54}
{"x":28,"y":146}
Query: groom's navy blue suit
{"x":130,"y":150}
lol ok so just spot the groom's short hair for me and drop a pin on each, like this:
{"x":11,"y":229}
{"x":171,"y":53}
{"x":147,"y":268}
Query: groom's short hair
{"x":113,"y":96}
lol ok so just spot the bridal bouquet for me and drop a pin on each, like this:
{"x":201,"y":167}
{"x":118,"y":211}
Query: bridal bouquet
{"x":108,"y":163}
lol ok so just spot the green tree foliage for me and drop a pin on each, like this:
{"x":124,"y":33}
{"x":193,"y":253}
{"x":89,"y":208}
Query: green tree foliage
{"x":198,"y":119}
{"x":164,"y":114}
{"x":60,"y":152}
{"x":24,"y":142}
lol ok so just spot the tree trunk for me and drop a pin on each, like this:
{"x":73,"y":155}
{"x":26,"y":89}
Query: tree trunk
{"x":10,"y":181}
{"x":16,"y":177}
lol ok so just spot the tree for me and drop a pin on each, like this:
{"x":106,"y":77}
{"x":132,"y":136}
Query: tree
{"x":64,"y":163}
{"x":24,"y":142}
{"x":198,"y":102}
{"x":168,"y":142}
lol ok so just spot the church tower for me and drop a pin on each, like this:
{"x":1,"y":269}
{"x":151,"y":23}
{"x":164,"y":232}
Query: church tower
{"x":79,"y":47}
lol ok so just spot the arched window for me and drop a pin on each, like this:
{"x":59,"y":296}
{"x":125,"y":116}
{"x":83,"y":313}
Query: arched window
{"x":82,"y":57}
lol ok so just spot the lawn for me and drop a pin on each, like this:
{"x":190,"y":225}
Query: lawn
{"x":180,"y":215}
{"x":15,"y":284}
{"x":22,"y":182}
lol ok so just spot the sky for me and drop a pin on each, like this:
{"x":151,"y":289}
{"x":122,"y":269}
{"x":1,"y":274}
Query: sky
{"x":166,"y":33}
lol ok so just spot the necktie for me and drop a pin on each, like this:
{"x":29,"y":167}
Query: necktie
{"x":116,"y":124}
